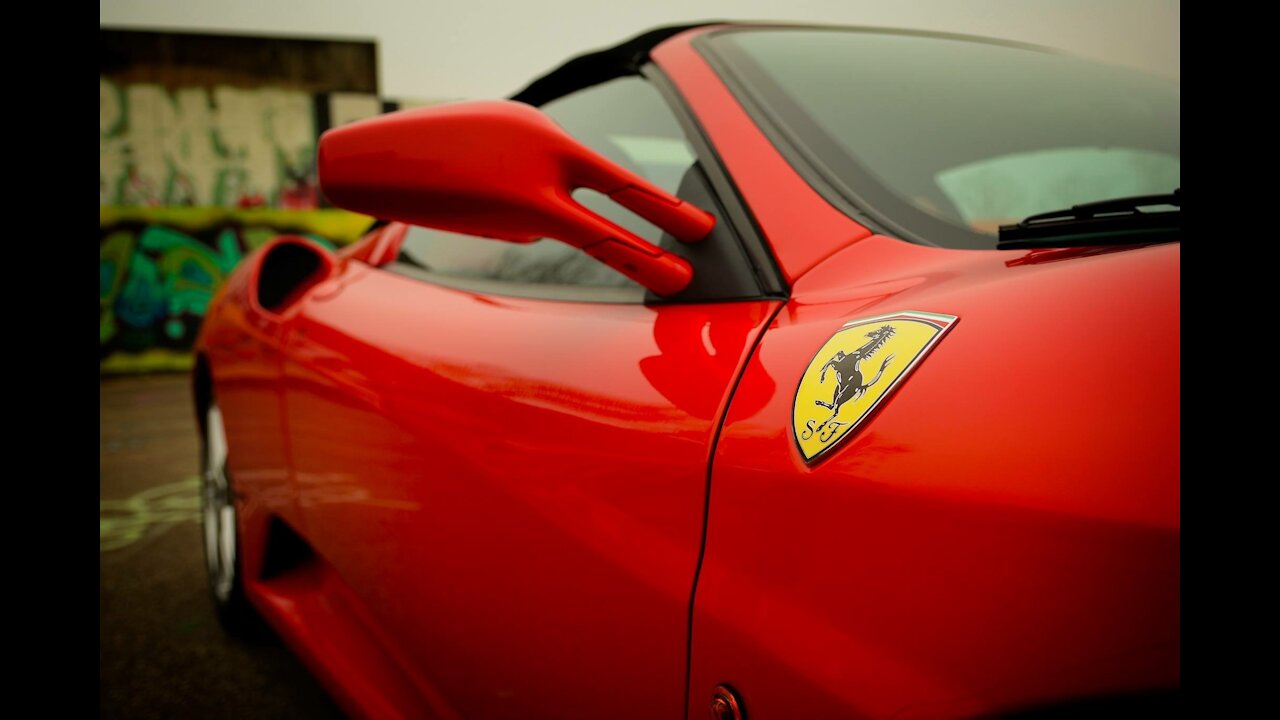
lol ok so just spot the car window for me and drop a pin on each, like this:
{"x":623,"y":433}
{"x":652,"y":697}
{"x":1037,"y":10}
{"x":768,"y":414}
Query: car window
{"x":625,"y":120}
{"x":946,"y":139}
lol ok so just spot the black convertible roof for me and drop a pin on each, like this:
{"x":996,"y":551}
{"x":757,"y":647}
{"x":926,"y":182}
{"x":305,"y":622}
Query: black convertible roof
{"x":626,"y":57}
{"x":599,"y":66}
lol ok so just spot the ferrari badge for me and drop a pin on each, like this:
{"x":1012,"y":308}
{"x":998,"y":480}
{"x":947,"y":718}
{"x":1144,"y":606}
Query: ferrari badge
{"x":855,"y":371}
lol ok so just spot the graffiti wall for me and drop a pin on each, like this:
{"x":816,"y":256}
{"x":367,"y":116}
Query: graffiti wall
{"x":225,"y":146}
{"x":160,"y":266}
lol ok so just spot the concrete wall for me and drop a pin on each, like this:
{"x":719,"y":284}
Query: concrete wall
{"x":205,"y":146}
{"x":208,"y":151}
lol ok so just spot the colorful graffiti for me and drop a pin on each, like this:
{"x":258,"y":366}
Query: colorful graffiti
{"x":230,"y":147}
{"x":159,"y":267}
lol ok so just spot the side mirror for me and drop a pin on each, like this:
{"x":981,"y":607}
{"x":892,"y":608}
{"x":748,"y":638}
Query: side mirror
{"x":503,"y":170}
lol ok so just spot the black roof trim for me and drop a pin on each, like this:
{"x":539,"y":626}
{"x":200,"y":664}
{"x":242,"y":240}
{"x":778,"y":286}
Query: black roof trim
{"x":599,"y":66}
{"x":626,"y":57}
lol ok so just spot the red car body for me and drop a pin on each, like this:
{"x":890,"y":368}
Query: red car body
{"x":514,"y":507}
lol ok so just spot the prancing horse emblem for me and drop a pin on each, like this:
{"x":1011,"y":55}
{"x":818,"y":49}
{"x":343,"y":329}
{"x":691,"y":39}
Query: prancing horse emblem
{"x":848,"y":367}
{"x":826,"y":412}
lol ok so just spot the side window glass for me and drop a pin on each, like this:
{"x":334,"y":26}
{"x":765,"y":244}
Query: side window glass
{"x":544,"y":262}
{"x":625,"y":120}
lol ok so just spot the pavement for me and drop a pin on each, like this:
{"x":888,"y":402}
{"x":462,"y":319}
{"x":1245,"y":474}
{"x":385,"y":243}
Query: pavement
{"x":162,"y":653}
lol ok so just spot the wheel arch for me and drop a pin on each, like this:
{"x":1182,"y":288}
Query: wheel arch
{"x":201,"y":389}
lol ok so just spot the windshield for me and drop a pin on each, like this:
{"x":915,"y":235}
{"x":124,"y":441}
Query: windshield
{"x":942,"y":140}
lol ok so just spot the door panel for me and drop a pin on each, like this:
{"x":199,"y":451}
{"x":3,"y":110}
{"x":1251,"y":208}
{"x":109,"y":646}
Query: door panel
{"x":514,"y":488}
{"x":245,"y":351}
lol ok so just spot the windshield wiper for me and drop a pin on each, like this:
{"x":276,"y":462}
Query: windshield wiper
{"x":1119,"y":221}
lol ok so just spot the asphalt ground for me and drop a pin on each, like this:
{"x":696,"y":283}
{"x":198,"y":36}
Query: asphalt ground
{"x":162,"y":653}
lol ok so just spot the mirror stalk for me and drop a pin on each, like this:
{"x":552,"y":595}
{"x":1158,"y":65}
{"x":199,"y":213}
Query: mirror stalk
{"x":504,"y":170}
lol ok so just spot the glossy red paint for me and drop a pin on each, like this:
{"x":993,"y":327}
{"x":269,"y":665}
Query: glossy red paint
{"x":502,"y":169}
{"x":977,"y":546}
{"x":506,"y":496}
{"x":244,"y":345}
{"x":1004,"y":532}
{"x":490,"y":483}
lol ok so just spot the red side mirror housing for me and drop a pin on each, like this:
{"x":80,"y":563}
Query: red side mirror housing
{"x":504,"y":170}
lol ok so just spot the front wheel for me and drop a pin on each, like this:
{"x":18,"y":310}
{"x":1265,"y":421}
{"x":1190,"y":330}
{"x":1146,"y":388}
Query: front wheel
{"x":221,"y":531}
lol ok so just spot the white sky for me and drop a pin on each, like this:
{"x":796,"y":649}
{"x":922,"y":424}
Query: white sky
{"x":490,"y":48}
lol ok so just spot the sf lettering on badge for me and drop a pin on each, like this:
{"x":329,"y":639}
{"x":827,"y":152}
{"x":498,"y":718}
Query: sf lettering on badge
{"x":857,"y":369}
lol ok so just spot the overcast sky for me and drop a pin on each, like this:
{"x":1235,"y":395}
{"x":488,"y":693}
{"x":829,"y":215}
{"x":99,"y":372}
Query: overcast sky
{"x":490,"y":48}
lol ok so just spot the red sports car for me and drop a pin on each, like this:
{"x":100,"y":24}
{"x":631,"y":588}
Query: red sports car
{"x":780,"y":371}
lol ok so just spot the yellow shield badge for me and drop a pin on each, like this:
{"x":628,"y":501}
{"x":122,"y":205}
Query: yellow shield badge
{"x":855,"y":371}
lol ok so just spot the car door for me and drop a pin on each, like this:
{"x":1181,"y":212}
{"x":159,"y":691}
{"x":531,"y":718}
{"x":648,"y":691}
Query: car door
{"x":502,"y":450}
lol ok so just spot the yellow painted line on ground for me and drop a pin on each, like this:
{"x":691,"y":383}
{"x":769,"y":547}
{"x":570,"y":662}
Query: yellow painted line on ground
{"x":121,"y":523}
